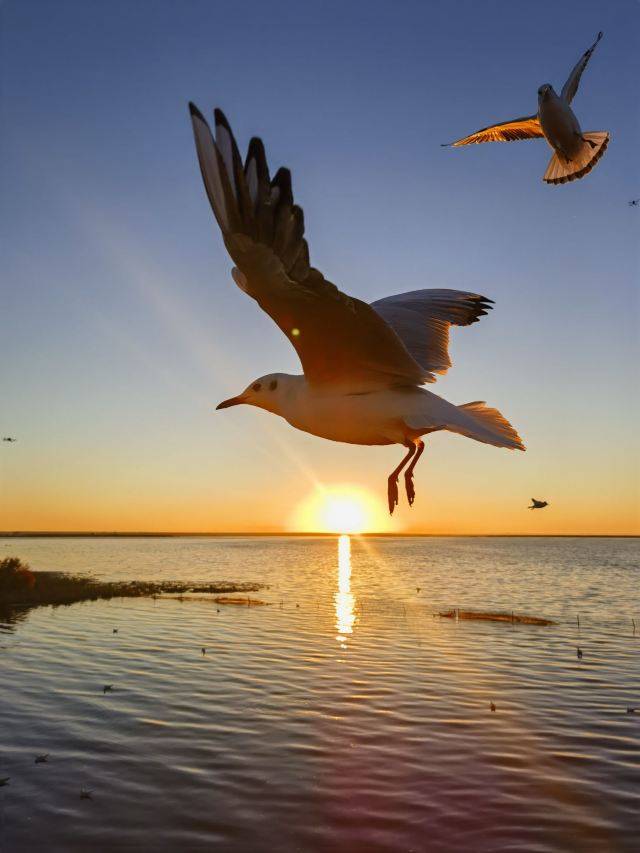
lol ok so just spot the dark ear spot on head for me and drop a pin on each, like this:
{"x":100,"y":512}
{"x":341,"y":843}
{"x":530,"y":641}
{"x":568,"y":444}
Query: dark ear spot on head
{"x":256,"y":386}
{"x":273,"y":385}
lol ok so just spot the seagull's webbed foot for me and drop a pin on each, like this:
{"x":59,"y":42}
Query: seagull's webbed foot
{"x":392,"y":493}
{"x":408,"y":483}
{"x":408,"y":474}
{"x":392,"y":488}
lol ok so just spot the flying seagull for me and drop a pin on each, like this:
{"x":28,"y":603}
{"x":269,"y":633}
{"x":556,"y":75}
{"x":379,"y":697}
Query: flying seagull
{"x":9,"y":438}
{"x":535,"y":504}
{"x":42,"y":759}
{"x":633,"y":203}
{"x":575,"y":152}
{"x":363,"y":364}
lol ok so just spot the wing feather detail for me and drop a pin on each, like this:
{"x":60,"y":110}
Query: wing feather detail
{"x":422,"y":319}
{"x":340,"y":340}
{"x":527,"y":127}
{"x":573,"y":80}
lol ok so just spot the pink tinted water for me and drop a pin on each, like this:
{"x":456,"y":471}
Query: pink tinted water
{"x":344,"y":716}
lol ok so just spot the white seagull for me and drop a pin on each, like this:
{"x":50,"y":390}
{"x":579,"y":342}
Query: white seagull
{"x":363,"y":364}
{"x":575,"y":152}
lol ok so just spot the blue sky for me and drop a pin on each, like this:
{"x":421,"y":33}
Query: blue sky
{"x":122,"y":327}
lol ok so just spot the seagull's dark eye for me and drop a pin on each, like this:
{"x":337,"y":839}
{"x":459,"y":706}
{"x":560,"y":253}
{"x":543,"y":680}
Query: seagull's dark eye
{"x":273,"y":385}
{"x":256,"y":386}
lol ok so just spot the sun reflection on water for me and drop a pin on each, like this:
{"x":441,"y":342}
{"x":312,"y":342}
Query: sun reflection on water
{"x":344,"y":600}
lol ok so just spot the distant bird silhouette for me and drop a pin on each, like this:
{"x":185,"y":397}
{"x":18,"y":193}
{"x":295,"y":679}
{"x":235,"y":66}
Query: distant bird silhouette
{"x":631,"y":710}
{"x":536,"y":504}
{"x":4,"y":781}
{"x":579,"y":653}
{"x":575,"y":152}
{"x":634,"y":202}
{"x":107,"y":688}
{"x":115,"y":630}
{"x":418,"y":588}
{"x":204,"y":651}
{"x":492,"y":706}
{"x":9,"y":438}
{"x":42,"y":759}
{"x":85,"y":794}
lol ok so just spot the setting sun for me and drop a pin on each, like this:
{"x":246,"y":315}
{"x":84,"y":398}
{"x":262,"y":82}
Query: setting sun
{"x":340,"y":509}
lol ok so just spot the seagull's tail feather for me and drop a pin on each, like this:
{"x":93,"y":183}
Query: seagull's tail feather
{"x":561,"y":171}
{"x":486,"y":425}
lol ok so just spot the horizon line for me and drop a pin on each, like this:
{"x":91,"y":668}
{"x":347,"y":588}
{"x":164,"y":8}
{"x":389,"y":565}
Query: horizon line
{"x":115,"y":534}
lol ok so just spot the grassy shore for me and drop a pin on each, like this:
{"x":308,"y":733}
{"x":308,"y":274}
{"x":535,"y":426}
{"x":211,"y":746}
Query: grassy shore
{"x":20,"y":587}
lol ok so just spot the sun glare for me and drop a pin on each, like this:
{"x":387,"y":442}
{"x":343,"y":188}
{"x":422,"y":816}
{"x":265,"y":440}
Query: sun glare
{"x":339,"y":509}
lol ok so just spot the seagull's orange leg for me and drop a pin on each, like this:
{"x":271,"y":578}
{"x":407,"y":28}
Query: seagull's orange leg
{"x":392,"y":487}
{"x":408,"y":474}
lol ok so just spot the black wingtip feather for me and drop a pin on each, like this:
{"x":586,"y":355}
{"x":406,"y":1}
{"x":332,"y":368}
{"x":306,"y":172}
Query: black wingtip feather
{"x":256,"y":152}
{"x":194,"y":111}
{"x":282,"y":180}
{"x":221,"y":118}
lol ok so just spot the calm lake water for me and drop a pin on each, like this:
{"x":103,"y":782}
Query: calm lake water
{"x":344,"y":716}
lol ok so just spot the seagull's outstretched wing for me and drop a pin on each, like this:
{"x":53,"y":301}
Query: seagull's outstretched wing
{"x":527,"y":127}
{"x":571,"y":86}
{"x":340,"y":340}
{"x":422,"y":319}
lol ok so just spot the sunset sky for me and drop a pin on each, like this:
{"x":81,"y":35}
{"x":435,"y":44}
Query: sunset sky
{"x":122,"y":328}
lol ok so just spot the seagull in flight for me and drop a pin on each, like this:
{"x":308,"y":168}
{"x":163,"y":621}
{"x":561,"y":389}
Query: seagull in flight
{"x":575,"y":152}
{"x":363,"y":365}
{"x":9,"y":438}
{"x":535,"y":504}
{"x":634,"y":202}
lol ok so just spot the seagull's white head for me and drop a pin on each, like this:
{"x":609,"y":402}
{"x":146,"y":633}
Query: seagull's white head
{"x":267,"y":392}
{"x":545,"y":91}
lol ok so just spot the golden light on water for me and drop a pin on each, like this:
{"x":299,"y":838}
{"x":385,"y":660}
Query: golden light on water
{"x":340,"y":509}
{"x":344,"y":599}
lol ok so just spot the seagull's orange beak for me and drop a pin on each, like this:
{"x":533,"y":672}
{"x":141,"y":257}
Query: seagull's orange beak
{"x":232,"y":401}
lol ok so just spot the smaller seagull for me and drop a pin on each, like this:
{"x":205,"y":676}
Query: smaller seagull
{"x":4,"y":781}
{"x":115,"y":630}
{"x":418,"y":588}
{"x":492,"y":706}
{"x":579,"y":653}
{"x":86,"y":794}
{"x":204,"y":651}
{"x":42,"y":759}
{"x":536,"y":504}
{"x":634,"y":202}
{"x":575,"y":152}
{"x":9,"y":438}
{"x":107,"y":688}
{"x":631,"y":710}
